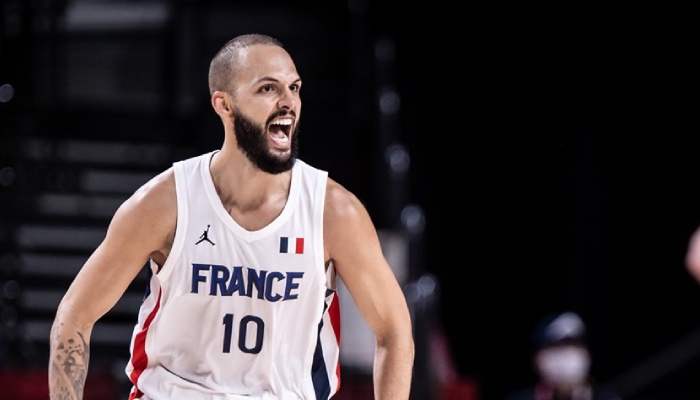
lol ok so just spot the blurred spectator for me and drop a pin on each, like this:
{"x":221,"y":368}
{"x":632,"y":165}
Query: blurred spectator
{"x":561,"y":361}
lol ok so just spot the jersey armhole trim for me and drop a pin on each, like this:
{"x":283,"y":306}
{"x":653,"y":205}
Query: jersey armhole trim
{"x":181,"y":220}
{"x":319,"y":250}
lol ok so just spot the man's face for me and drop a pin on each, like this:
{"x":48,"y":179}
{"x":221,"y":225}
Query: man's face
{"x":267,"y":107}
{"x":254,"y":141}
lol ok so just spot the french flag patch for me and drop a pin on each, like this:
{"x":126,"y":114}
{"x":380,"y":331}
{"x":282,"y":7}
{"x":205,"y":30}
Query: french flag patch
{"x":292,"y":245}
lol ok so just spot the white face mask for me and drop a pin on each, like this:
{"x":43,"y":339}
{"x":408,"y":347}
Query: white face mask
{"x":563,"y":365}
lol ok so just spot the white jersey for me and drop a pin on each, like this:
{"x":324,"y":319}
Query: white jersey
{"x":236,"y":314}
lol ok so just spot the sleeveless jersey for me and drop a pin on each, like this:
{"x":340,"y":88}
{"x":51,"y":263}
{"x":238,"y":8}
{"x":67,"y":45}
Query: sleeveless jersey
{"x":236,"y":314}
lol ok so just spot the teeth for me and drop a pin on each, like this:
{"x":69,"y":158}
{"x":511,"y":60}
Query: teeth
{"x":283,"y":122}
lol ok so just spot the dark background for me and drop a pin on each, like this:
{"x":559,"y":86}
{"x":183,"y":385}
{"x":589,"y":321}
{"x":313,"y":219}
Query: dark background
{"x":552,"y":144}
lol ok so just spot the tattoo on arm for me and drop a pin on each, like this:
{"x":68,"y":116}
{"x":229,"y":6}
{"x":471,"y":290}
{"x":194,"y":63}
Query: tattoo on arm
{"x":69,"y":366}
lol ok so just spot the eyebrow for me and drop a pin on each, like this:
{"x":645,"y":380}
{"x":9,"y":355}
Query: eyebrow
{"x":271,"y":79}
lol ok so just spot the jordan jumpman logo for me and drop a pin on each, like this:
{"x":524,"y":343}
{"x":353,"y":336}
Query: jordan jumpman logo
{"x":205,"y":236}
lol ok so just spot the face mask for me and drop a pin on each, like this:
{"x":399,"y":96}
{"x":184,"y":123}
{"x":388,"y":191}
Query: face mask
{"x":563,"y":365}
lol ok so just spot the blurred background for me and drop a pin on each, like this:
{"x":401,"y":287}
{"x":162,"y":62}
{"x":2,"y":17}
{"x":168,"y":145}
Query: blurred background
{"x":518,"y":158}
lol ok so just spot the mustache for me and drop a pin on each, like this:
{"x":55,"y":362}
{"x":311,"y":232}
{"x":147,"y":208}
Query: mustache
{"x":280,"y":113}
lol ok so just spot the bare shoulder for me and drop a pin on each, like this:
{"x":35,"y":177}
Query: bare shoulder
{"x":347,"y":225}
{"x":341,"y":206}
{"x":157,"y":193}
{"x":156,"y":198}
{"x":149,"y":215}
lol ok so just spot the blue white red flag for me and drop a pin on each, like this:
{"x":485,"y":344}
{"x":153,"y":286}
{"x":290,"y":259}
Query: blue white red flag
{"x":292,"y":245}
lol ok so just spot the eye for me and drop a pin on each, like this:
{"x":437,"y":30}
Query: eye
{"x":295,"y":87}
{"x":267,"y":88}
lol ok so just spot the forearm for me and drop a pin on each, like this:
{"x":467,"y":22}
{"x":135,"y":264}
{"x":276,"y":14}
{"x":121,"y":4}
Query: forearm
{"x":68,"y":361}
{"x":393,"y":370}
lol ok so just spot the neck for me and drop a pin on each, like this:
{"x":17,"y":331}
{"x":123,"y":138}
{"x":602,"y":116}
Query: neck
{"x":240,"y":184}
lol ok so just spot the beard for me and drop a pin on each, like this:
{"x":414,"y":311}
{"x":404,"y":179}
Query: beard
{"x":252,"y":141}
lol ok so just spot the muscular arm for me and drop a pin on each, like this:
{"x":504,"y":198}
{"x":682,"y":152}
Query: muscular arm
{"x":352,"y":243}
{"x":692,"y":257}
{"x":139,"y":229}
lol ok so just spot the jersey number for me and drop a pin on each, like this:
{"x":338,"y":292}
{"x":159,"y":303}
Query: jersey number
{"x":249,"y":325}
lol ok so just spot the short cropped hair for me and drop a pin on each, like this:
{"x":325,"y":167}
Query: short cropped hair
{"x":224,"y":63}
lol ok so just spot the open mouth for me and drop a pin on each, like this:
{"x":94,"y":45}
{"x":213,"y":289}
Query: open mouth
{"x":279,"y":130}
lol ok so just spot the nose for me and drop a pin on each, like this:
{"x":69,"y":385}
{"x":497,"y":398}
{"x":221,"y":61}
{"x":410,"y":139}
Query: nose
{"x":287,"y":100}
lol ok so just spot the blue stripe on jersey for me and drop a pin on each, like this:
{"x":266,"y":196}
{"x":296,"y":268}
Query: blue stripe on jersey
{"x":283,"y":244}
{"x":147,"y":292}
{"x":319,"y":371}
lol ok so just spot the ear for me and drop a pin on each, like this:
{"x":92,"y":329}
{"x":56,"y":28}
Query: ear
{"x":222,"y":104}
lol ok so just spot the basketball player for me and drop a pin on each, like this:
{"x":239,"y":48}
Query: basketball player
{"x":244,"y":245}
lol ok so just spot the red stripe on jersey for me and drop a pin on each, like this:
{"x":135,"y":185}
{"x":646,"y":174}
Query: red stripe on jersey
{"x":140,"y":359}
{"x":334,"y":314}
